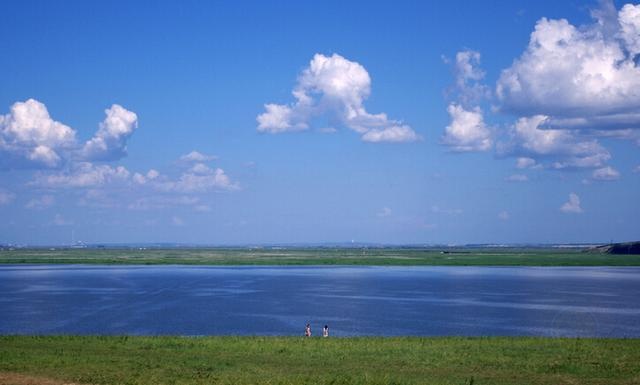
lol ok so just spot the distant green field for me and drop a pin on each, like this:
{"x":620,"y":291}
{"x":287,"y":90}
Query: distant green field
{"x":320,"y":256}
{"x":296,"y":360}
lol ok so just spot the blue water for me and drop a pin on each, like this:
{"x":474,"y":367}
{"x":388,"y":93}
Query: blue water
{"x":188,"y":300}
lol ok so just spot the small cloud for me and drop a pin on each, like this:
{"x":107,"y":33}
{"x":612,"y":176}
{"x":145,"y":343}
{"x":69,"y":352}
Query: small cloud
{"x":6,"y":197}
{"x":605,"y":174}
{"x":467,"y":131}
{"x":195,"y":156}
{"x":393,"y":134}
{"x":177,"y":221}
{"x":469,"y":77}
{"x":200,"y":168}
{"x":524,"y":162}
{"x":637,"y":169}
{"x":517,"y":178}
{"x":150,"y":203}
{"x":99,"y":198}
{"x":572,"y":206}
{"x":40,"y":203}
{"x":385,"y":212}
{"x":59,"y":220}
{"x":504,"y":215}
{"x":199,"y":178}
{"x":439,"y":210}
{"x":202,"y":208}
{"x":327,"y":130}
{"x":143,"y":179}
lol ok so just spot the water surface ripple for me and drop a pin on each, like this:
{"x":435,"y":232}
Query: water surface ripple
{"x":280,"y":300}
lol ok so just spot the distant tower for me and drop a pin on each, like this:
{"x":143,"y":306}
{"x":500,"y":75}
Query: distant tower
{"x":73,"y":237}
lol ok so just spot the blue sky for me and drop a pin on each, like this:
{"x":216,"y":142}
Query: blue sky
{"x":286,"y":122}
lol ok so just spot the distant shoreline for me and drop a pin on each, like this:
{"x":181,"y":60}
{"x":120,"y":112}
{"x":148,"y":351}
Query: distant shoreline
{"x":365,"y":256}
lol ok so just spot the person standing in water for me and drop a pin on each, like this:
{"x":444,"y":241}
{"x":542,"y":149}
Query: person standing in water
{"x":325,"y":331}
{"x":307,"y":331}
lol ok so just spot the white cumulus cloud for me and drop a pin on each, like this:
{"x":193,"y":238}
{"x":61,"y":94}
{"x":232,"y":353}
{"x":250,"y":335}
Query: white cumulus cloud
{"x":468,"y":78}
{"x":524,"y":162}
{"x":393,"y":134}
{"x":198,"y":179}
{"x":143,"y":179}
{"x":606,"y":174}
{"x":110,"y":141}
{"x":29,"y":137}
{"x":567,"y":149}
{"x":572,"y":206}
{"x":629,"y":18}
{"x":335,"y":88}
{"x":467,"y":130}
{"x":580,"y":77}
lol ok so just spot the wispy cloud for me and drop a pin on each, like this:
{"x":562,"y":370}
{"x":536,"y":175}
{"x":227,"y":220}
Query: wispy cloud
{"x":6,"y":197}
{"x":606,"y":174}
{"x":40,"y":203}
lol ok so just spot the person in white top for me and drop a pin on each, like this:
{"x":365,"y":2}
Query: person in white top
{"x":307,"y":331}
{"x":325,"y":331}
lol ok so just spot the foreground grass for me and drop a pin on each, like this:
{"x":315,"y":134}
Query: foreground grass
{"x":294,"y":360}
{"x":320,"y":256}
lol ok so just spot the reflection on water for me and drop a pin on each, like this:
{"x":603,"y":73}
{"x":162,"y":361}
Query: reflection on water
{"x":197,"y":300}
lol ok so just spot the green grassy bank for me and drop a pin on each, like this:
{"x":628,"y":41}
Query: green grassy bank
{"x":295,"y":360}
{"x":320,"y":256}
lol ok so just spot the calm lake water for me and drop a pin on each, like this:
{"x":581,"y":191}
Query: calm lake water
{"x":150,"y":300}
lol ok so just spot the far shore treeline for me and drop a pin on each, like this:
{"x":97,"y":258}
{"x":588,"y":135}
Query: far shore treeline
{"x":608,"y":255}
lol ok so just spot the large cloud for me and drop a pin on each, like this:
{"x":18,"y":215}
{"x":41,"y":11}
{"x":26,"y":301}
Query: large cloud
{"x":110,"y":142}
{"x":30,"y":138}
{"x":335,"y":88}
{"x":563,"y":148}
{"x":584,"y":77}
